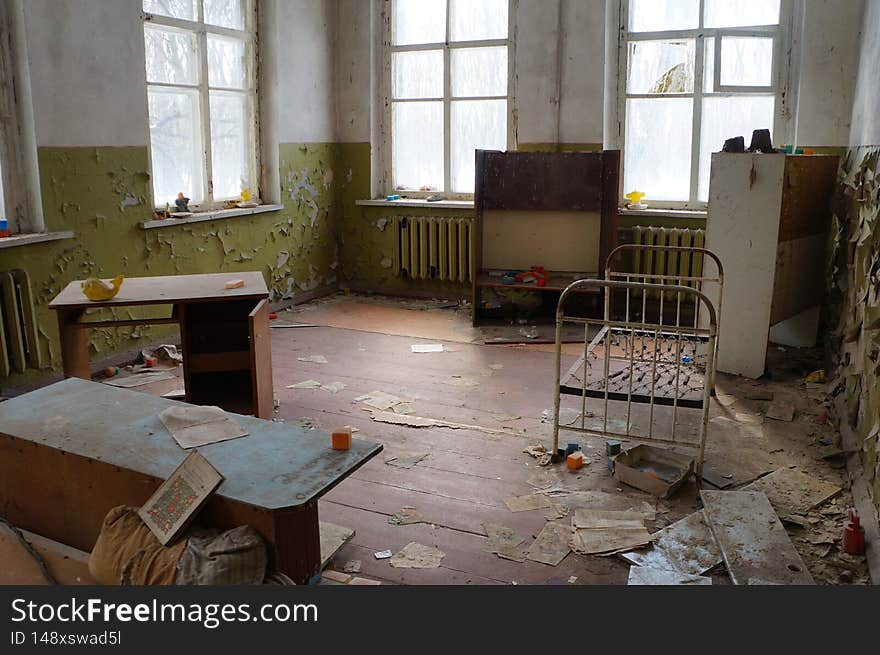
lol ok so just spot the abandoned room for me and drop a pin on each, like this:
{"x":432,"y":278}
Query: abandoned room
{"x":439,"y":292}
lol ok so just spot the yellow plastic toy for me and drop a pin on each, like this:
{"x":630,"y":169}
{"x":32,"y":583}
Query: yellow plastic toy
{"x":635,"y":198}
{"x":98,"y":290}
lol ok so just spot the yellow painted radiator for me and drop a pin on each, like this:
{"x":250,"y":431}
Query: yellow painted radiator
{"x":658,"y":262}
{"x":430,"y":248}
{"x":18,"y":326}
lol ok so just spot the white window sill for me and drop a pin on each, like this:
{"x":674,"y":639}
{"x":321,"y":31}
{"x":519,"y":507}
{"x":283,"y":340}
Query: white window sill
{"x":36,"y":237}
{"x":217,"y":214}
{"x":418,"y":202}
{"x":657,"y":212}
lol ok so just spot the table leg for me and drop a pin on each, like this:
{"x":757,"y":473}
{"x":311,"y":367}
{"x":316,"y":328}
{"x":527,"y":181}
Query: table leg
{"x":74,"y":344}
{"x":298,"y":543}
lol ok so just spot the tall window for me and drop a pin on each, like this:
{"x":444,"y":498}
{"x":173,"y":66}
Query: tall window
{"x":447,"y":71}
{"x":202,"y":96}
{"x":20,"y":203}
{"x":694,"y":73}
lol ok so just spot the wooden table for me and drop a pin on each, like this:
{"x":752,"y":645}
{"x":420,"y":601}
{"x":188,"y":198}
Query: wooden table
{"x":72,"y":450}
{"x":227,"y":358}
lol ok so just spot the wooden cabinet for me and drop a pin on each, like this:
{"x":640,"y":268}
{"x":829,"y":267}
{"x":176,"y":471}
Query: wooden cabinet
{"x":769,"y":221}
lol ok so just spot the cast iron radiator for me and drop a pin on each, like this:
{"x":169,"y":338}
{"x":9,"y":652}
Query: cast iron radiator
{"x":431,"y":248}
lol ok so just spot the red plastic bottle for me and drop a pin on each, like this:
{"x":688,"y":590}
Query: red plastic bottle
{"x":854,"y":535}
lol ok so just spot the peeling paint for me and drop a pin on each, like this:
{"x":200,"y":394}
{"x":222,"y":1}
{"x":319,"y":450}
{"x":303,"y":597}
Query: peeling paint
{"x":102,"y":193}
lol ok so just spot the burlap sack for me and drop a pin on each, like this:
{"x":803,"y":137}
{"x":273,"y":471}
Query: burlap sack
{"x":127,"y":552}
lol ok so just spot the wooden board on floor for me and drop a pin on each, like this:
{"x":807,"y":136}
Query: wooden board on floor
{"x":793,"y":492}
{"x":753,"y":542}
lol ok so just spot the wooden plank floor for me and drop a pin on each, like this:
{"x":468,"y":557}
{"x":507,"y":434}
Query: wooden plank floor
{"x":462,"y":482}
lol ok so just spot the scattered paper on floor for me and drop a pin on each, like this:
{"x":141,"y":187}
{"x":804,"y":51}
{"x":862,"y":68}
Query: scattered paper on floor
{"x":604,"y":532}
{"x":417,"y":556}
{"x":305,"y":384}
{"x":644,"y":575}
{"x":526,"y":503}
{"x":687,"y":546}
{"x":551,"y":545}
{"x":193,"y":426}
{"x":313,"y":359}
{"x":598,"y":518}
{"x":380,"y":400}
{"x":502,"y":541}
{"x":427,"y":348}
{"x":406,"y":461}
{"x":539,"y":452}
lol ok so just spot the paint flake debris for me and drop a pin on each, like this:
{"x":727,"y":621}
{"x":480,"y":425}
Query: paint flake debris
{"x":417,"y":556}
{"x":406,"y":516}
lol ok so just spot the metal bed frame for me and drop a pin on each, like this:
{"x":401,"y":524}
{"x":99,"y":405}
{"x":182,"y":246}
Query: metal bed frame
{"x":666,"y":362}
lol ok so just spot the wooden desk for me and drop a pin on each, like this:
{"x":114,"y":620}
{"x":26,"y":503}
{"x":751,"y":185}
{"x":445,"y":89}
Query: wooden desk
{"x":72,"y":450}
{"x":227,"y":359}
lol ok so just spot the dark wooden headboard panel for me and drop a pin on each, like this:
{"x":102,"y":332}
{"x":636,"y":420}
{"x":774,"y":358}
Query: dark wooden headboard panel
{"x":550,"y":181}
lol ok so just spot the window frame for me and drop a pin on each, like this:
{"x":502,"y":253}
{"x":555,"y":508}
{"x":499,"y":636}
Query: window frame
{"x":203,"y":88}
{"x":781,"y":87}
{"x":387,"y":184}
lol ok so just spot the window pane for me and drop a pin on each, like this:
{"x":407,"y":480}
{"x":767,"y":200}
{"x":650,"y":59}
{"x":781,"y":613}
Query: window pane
{"x":474,"y":124}
{"x":472,"y":20}
{"x":185,"y":9}
{"x":479,"y":71}
{"x":175,"y":145}
{"x":226,"y":65}
{"x":225,"y":13}
{"x":709,"y":65}
{"x":661,"y":66}
{"x":746,"y":61}
{"x":417,"y":74}
{"x":417,"y":152}
{"x":230,"y":144}
{"x":724,"y":118}
{"x":171,"y":56}
{"x":741,"y":13}
{"x":659,"y":15}
{"x":657,"y":156}
{"x":418,"y":21}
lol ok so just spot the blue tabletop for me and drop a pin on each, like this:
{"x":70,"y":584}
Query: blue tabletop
{"x":277,"y":465}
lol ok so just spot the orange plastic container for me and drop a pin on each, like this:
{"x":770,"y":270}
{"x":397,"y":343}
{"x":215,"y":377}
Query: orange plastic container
{"x":341,"y":439}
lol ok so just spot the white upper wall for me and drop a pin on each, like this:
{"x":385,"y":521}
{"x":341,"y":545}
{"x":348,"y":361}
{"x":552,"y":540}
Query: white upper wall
{"x":306,"y":94}
{"x":866,"y":107}
{"x":87,"y":72}
{"x":830,"y":54}
{"x":353,"y":85}
{"x":539,"y":63}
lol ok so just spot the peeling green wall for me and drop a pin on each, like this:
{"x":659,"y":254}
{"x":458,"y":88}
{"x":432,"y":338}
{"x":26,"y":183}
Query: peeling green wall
{"x":101,"y":194}
{"x":854,"y":306}
{"x":366,"y":240}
